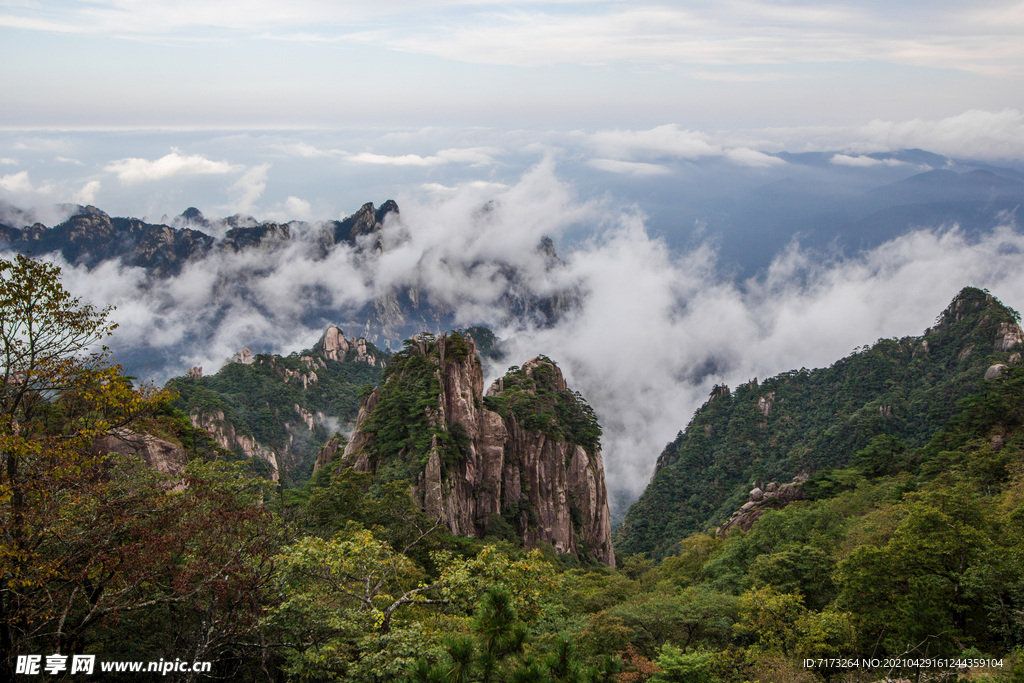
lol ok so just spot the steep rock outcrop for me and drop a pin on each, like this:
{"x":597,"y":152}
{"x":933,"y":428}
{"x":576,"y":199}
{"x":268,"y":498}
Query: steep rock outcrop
{"x":510,"y":460}
{"x":334,"y":346}
{"x":283,"y":408}
{"x":224,"y":433}
{"x":773,"y":496}
{"x":163,"y":456}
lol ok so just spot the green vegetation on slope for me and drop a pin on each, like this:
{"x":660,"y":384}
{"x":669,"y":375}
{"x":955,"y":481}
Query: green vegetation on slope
{"x":400,"y":425}
{"x":804,"y":421}
{"x":538,"y":405}
{"x":259,"y":400}
{"x":912,"y":552}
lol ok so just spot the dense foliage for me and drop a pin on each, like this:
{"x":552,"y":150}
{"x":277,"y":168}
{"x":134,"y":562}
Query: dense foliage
{"x":403,"y":425}
{"x":90,"y":540}
{"x":260,"y":400}
{"x":803,"y":421}
{"x":911,"y":549}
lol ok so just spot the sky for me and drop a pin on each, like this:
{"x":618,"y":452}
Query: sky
{"x":733,"y":64}
{"x":600,"y":124}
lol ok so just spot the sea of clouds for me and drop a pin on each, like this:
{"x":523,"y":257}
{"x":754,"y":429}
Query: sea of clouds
{"x":656,"y":329}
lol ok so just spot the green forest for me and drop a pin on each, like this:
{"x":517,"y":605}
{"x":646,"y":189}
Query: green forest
{"x":260,"y":399}
{"x":904,"y":560}
{"x":804,"y":421}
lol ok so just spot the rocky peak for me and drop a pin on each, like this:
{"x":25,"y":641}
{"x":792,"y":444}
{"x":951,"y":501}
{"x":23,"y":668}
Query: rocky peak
{"x":263,"y":235}
{"x":91,"y":237}
{"x":364,"y":222}
{"x":195,"y":217}
{"x":334,"y":346}
{"x":241,"y":220}
{"x":161,"y":455}
{"x":972,"y":323}
{"x":516,"y":462}
{"x":390,"y":206}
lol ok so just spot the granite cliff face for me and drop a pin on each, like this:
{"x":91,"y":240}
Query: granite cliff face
{"x":520,"y":458}
{"x":163,"y":456}
{"x":224,"y":433}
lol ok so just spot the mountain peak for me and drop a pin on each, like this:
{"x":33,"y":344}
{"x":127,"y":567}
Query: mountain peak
{"x":975,"y":316}
{"x":522,"y":463}
{"x":972,"y":302}
{"x":195,"y":216}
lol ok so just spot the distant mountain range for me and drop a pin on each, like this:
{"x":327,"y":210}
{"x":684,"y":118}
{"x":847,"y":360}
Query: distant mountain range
{"x":386,"y":315}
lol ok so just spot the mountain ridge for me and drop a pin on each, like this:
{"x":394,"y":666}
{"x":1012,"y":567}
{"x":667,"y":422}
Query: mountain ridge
{"x":804,"y":421}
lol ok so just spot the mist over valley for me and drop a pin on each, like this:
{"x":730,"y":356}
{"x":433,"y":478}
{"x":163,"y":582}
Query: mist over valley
{"x":650,"y":290}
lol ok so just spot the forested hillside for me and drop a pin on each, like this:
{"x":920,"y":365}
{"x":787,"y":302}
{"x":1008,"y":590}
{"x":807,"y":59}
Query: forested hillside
{"x":803,"y":421}
{"x":906,"y":563}
{"x":522,"y":463}
{"x":283,"y":409}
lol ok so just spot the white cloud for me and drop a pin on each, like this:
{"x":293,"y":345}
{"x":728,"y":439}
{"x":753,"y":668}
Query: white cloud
{"x":973,"y":134}
{"x":87,"y":195}
{"x":403,"y":160}
{"x":477,"y":156}
{"x":16,"y":182}
{"x":299,"y":208}
{"x":7,"y":161}
{"x":726,"y":33}
{"x":302,"y":149}
{"x":660,"y":142}
{"x":438,"y":188}
{"x":43,"y":144}
{"x":749,"y":157}
{"x":663,"y":142}
{"x":291,"y":209}
{"x":248,"y":189}
{"x":65,"y":160}
{"x":637,"y":168}
{"x":134,"y":170}
{"x":21,"y":188}
{"x":863,"y":161}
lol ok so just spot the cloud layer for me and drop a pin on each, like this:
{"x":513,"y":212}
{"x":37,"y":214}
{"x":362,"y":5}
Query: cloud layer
{"x":981,"y":37}
{"x":656,"y":330}
{"x":130,"y":171}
